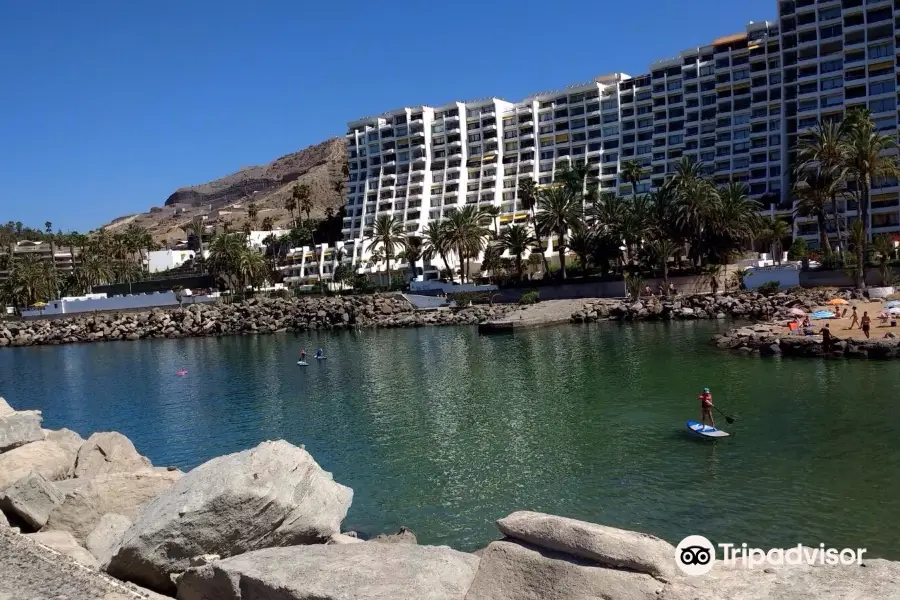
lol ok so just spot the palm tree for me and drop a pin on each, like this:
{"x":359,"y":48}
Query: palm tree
{"x":773,"y":234}
{"x":884,"y":246}
{"x":224,"y":256}
{"x":517,"y":239}
{"x":268,"y":224}
{"x":250,"y":268}
{"x":290,"y":205}
{"x":48,"y":227}
{"x":858,"y":244}
{"x":560,"y":211}
{"x":387,"y":234}
{"x":527,"y":193}
{"x":493,"y":212}
{"x":825,"y":148}
{"x":631,"y":172}
{"x":814,"y":191}
{"x":661,"y":249}
{"x":735,"y":224}
{"x":252,"y":212}
{"x":435,"y":240}
{"x":865,"y":159}
{"x":300,"y":195}
{"x":466,"y":233}
{"x":582,"y":242}
{"x":413,"y":252}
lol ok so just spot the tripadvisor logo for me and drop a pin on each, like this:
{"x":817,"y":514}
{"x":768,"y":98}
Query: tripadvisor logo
{"x":695,"y":555}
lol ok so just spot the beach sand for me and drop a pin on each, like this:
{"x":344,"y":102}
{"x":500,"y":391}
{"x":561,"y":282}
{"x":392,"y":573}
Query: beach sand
{"x":840,"y":327}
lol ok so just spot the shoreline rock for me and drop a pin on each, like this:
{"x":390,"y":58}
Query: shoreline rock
{"x":250,"y":317}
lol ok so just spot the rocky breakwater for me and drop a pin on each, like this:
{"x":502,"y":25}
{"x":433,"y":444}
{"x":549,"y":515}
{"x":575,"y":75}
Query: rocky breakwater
{"x":773,"y":340}
{"x":739,"y":305}
{"x":254,"y":316}
{"x":265,"y":523}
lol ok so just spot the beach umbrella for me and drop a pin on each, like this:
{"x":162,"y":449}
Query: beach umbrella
{"x":836,"y":301}
{"x":892,"y":304}
{"x":40,"y":304}
{"x":894,"y":310}
{"x":799,"y":312}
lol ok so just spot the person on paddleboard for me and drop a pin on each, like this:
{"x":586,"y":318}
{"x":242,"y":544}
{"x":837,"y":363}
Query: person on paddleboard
{"x":706,"y":406}
{"x":303,"y":355}
{"x":320,"y":353}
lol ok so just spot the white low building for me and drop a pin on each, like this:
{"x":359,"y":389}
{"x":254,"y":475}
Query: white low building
{"x":255,"y":239}
{"x":101,"y":302}
{"x":164,"y":260}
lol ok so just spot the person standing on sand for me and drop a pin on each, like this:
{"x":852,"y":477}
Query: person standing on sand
{"x":866,"y":323}
{"x":826,"y":339}
{"x":854,"y":319}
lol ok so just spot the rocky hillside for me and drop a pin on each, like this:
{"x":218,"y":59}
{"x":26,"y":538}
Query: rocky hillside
{"x":224,"y":200}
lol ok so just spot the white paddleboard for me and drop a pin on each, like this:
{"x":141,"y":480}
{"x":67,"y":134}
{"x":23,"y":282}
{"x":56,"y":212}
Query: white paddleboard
{"x":302,"y":363}
{"x":321,"y":357}
{"x":706,"y":430}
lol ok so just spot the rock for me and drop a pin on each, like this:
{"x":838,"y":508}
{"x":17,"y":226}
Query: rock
{"x":105,"y":538}
{"x":44,"y":457}
{"x":64,"y":543}
{"x":514,"y":571}
{"x":19,"y":428}
{"x":204,"y":559}
{"x":69,"y":441}
{"x":272,"y":495}
{"x":335,"y":572}
{"x":404,"y":536}
{"x":3,"y":521}
{"x":120,"y":493}
{"x":343,"y":538}
{"x":108,"y":452}
{"x":608,"y":546}
{"x":5,"y":408}
{"x":31,"y":499}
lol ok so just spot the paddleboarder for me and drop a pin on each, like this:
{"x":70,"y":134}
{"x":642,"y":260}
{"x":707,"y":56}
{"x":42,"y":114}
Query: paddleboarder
{"x":303,"y":355}
{"x":706,"y":406}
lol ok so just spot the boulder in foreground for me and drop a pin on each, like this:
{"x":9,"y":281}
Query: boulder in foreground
{"x":335,"y":572}
{"x":120,"y":493}
{"x":108,"y":452}
{"x":44,"y":457}
{"x":19,"y":428}
{"x":608,"y":546}
{"x":272,"y":495}
{"x":106,"y":536}
{"x":31,"y":499}
{"x":64,"y":543}
{"x":513,"y":571}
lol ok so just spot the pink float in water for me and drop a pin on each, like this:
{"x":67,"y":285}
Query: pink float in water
{"x":182,"y":372}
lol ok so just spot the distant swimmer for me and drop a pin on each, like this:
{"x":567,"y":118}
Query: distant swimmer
{"x":182,"y":372}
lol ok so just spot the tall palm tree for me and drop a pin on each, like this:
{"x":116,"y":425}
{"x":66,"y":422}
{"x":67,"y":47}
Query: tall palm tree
{"x":224,"y":256}
{"x":466,"y":234}
{"x":301,"y":195}
{"x":773,"y":233}
{"x":858,"y":245}
{"x":825,"y":148}
{"x":582,"y":243}
{"x":528,"y":193}
{"x":631,"y":172}
{"x":48,"y":227}
{"x":813,"y":192}
{"x":290,"y":205}
{"x":268,"y":224}
{"x":493,"y":213}
{"x":735,"y":224}
{"x":661,"y":249}
{"x":413,"y":252}
{"x":865,"y":159}
{"x":884,"y":246}
{"x":252,"y":212}
{"x":250,"y":268}
{"x":560,"y":211}
{"x":387,"y":234}
{"x":435,"y":242}
{"x":517,"y":239}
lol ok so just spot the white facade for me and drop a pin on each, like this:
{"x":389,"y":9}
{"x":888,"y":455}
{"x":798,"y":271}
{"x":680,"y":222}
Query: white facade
{"x":163,"y":260}
{"x":255,"y":239}
{"x":100,"y":302}
{"x":736,"y":105}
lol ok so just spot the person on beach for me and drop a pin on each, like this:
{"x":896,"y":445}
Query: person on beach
{"x":303,"y":355}
{"x":661,"y":290}
{"x":706,"y":405}
{"x":672,"y":290}
{"x":854,"y":319}
{"x":826,"y":338}
{"x":866,"y":322}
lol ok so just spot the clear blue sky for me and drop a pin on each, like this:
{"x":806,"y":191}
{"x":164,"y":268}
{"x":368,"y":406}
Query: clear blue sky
{"x":107,"y":106}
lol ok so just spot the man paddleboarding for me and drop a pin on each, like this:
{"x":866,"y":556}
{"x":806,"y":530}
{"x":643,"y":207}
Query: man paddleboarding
{"x":320,"y":353}
{"x":303,"y":355}
{"x":706,"y":406}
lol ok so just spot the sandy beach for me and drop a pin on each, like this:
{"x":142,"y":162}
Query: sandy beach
{"x":840,"y":327}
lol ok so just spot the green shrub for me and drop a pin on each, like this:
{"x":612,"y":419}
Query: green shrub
{"x":832,"y":261}
{"x":530,"y":297}
{"x":798,"y":250}
{"x":769,"y":288}
{"x":463,"y":299}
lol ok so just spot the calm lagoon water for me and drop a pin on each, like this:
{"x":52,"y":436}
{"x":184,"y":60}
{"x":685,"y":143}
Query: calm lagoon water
{"x":444,"y":431}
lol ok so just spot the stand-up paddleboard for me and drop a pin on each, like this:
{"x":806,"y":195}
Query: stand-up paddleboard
{"x":321,"y":357}
{"x":707,"y":431}
{"x":302,"y":363}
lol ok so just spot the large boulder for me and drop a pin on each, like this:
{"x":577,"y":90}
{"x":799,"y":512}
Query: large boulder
{"x":108,"y":452}
{"x":44,"y":457}
{"x":19,"y":427}
{"x":608,"y":546}
{"x":272,"y":495}
{"x":68,"y":440}
{"x":514,"y":571}
{"x":121,"y":493}
{"x":64,"y":543}
{"x":106,"y":536}
{"x":335,"y":572}
{"x":31,"y":499}
{"x":5,"y":408}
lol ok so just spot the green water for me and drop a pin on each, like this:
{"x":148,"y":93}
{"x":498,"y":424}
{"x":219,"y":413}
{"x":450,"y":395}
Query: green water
{"x":444,"y":431}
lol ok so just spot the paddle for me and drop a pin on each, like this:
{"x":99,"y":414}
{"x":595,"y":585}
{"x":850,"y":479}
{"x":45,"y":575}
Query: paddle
{"x":728,"y":419}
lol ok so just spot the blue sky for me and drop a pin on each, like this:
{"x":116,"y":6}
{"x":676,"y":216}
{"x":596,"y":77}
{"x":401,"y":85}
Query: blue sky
{"x":108,"y":106}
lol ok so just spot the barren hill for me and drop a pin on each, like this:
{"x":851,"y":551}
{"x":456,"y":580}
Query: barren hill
{"x":224,"y":200}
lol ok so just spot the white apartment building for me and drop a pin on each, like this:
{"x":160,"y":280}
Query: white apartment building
{"x":737,"y":105}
